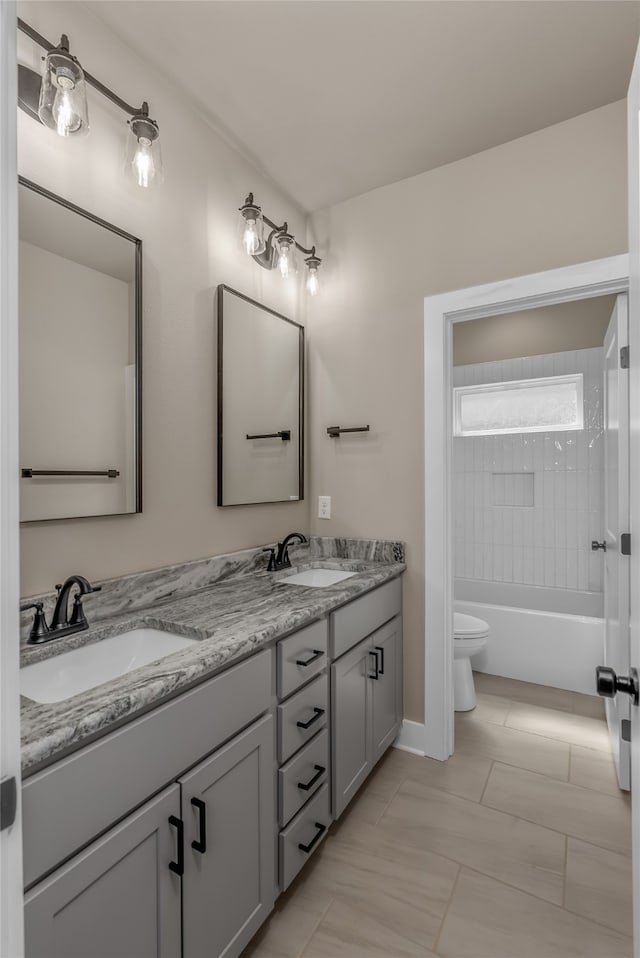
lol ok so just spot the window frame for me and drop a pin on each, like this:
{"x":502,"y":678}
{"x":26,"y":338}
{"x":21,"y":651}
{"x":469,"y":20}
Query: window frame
{"x":460,"y":391}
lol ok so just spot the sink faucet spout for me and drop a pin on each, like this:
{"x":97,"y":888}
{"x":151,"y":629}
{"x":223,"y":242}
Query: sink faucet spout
{"x":282,"y":559}
{"x":60,"y":619}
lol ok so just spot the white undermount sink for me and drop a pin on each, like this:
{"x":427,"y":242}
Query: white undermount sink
{"x":79,"y":670}
{"x":317,"y":578}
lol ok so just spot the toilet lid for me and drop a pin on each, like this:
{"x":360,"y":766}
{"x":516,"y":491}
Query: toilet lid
{"x":467,"y":626}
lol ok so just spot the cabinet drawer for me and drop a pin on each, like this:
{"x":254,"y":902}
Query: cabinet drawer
{"x":302,"y":716}
{"x":309,"y":768}
{"x":363,"y":616}
{"x":298,"y":659}
{"x":72,"y":801}
{"x":308,"y":829}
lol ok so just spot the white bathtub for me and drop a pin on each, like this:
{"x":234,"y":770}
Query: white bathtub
{"x":549,"y":636}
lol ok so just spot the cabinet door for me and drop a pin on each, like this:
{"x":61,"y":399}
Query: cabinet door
{"x":229,"y":813}
{"x":116,"y":898}
{"x":386,"y":711}
{"x":351,"y":736}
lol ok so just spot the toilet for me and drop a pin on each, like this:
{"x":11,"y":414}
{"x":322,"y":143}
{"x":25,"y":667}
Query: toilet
{"x":469,"y":638}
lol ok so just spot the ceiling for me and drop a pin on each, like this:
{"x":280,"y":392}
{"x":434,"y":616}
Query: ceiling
{"x":332,"y":98}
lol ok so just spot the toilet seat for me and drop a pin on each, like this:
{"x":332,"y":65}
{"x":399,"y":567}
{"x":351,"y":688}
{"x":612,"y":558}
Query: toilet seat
{"x":469,"y":627}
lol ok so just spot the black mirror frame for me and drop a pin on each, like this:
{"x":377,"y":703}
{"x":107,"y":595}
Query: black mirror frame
{"x":23,"y":181}
{"x":221,"y":290}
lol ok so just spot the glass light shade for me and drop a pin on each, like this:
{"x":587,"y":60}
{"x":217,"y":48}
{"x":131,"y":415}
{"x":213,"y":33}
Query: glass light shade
{"x":287,"y":261}
{"x":63,"y":95}
{"x":143,"y":160}
{"x":313,"y":279}
{"x":251,"y":230}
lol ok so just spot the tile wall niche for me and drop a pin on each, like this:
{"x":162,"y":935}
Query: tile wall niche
{"x":526,"y":506}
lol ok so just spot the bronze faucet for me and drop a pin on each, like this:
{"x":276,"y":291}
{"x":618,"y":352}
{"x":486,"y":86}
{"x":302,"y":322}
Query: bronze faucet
{"x":61,"y":624}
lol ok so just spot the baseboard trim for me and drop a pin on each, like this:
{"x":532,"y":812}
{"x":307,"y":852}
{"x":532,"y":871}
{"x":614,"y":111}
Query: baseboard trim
{"x":411,"y":737}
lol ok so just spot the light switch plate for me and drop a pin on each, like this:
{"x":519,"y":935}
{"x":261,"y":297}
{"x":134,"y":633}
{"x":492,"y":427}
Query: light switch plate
{"x":324,"y":507}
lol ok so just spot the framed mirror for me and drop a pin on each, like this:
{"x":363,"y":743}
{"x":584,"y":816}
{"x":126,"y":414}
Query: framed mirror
{"x":80,"y":331}
{"x":260,"y":403}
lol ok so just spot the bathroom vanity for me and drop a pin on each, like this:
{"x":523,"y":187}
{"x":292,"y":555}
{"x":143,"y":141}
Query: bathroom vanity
{"x":172,"y":829}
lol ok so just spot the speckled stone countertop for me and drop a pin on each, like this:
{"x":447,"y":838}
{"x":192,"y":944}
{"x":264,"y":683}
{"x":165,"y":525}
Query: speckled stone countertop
{"x":232,"y":617}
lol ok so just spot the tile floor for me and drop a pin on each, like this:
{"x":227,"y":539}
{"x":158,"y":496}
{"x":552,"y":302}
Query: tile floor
{"x":517,"y":847}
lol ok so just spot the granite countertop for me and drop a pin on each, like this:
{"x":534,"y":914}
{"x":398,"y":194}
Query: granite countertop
{"x":232,"y":619}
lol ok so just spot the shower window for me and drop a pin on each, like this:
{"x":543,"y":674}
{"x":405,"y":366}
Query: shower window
{"x":553,"y":404}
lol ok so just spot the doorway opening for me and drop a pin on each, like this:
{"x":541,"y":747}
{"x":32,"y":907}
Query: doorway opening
{"x":607,"y":277}
{"x":540,"y":501}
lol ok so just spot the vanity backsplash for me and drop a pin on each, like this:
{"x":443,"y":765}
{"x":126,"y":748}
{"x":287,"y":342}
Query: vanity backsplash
{"x":369,"y":550}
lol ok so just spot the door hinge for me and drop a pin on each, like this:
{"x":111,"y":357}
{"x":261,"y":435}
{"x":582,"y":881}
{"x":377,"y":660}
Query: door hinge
{"x":625,"y":544}
{"x":8,"y":802}
{"x":625,"y":730}
{"x":624,"y":357}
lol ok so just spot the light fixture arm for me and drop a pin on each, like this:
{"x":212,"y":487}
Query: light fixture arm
{"x":267,"y":257}
{"x":275,"y":230}
{"x":90,"y":79}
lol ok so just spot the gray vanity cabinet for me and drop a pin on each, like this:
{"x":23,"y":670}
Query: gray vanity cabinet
{"x":229,"y":875}
{"x":304,"y":813}
{"x":117,"y":897}
{"x":199,"y":853}
{"x":350,"y":723}
{"x":386,"y":692}
{"x":366,"y":708}
{"x":187,"y":873}
{"x":120,"y":897}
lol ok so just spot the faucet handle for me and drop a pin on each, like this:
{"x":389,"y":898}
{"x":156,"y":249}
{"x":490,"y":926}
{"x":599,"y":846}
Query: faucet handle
{"x":78,"y":617}
{"x":77,"y":613}
{"x":31,"y":605}
{"x":272,"y":558}
{"x":39,"y":627}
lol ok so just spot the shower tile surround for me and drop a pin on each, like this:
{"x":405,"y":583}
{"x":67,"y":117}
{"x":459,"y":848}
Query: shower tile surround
{"x":499,"y":535}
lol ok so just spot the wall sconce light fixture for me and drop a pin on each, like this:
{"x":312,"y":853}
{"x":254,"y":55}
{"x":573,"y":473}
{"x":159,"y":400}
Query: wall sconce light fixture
{"x":58,"y":100}
{"x":280,"y":249}
{"x":62,"y":104}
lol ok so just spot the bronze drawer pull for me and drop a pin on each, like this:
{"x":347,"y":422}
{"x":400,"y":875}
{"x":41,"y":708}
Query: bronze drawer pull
{"x":305,"y":786}
{"x":317,"y":713}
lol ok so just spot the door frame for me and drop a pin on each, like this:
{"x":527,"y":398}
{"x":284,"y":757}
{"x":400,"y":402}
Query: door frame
{"x":11,"y":923}
{"x":600,"y":277}
{"x":633,"y":207}
{"x":617,"y":709}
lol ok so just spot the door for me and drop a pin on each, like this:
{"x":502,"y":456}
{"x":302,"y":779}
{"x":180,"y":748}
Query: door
{"x":11,"y":930}
{"x":350,"y":726}
{"x":616,"y":523}
{"x":633,"y":136}
{"x":228,"y":807}
{"x":386,"y":716}
{"x":116,"y":898}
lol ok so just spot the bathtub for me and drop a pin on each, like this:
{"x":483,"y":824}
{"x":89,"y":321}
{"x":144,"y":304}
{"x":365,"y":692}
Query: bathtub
{"x":550,"y":636}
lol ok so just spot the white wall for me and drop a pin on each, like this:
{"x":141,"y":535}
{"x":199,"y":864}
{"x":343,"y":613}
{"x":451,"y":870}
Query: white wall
{"x":547,"y":542}
{"x":550,"y":199}
{"x":189,"y":234}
